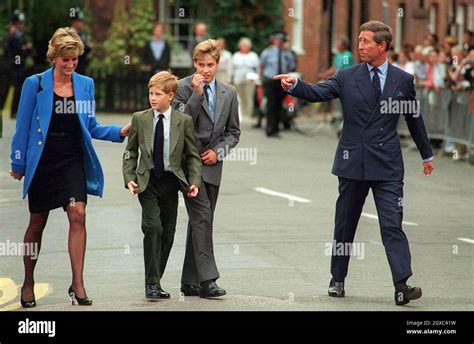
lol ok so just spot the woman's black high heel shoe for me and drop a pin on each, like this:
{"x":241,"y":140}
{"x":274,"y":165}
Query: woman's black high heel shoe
{"x":27,"y":304}
{"x":76,"y":300}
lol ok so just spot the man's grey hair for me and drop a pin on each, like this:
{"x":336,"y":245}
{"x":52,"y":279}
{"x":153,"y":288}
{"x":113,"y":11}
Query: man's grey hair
{"x":382,"y":32}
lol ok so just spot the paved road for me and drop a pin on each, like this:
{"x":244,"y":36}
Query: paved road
{"x":271,"y":248}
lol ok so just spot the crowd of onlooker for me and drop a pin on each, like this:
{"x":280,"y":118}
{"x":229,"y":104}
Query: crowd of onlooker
{"x":439,"y":69}
{"x":439,"y":65}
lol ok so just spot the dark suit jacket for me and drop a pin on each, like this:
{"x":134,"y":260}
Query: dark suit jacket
{"x":223,"y":135}
{"x":184,"y":156}
{"x":156,"y":65}
{"x":369,"y":147}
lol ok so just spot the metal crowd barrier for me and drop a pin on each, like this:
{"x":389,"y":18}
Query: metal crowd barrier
{"x":448,"y":116}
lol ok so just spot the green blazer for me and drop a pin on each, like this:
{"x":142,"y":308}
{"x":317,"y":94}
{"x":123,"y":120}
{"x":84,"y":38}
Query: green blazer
{"x":185,"y":161}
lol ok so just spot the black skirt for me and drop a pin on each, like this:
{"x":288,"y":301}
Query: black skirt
{"x":60,"y":178}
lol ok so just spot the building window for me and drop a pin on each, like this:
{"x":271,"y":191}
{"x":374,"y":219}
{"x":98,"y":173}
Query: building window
{"x":298,"y":28}
{"x":177,"y":17}
{"x":470,"y":18}
{"x":364,"y":11}
{"x":432,"y":26}
{"x":400,"y":28}
{"x":460,"y":22}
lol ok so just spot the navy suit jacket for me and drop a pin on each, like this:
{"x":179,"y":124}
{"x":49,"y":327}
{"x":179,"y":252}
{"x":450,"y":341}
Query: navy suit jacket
{"x":369,"y":147}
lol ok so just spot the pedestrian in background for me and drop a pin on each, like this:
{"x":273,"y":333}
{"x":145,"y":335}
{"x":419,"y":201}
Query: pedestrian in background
{"x":224,"y":71}
{"x":245,"y":63}
{"x":78,"y":24}
{"x":200,"y":34}
{"x":157,"y":52}
{"x":17,"y":50}
{"x":275,"y":60}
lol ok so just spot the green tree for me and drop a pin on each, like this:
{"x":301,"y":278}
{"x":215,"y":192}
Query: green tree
{"x":140,"y":26}
{"x":255,"y":19}
{"x":130,"y":30}
{"x":42,"y":18}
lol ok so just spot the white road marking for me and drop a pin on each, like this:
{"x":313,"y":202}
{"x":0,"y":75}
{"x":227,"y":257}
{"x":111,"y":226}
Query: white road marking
{"x":11,"y":200}
{"x":467,"y":240}
{"x":375,"y":217}
{"x":283,"y":195}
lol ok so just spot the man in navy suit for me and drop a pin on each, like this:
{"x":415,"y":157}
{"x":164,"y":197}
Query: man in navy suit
{"x":373,"y":95}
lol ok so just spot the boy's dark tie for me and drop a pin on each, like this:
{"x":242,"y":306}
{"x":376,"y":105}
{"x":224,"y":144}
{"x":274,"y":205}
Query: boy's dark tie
{"x":210,"y":102}
{"x":206,"y":89}
{"x":376,"y":84}
{"x":159,"y":169}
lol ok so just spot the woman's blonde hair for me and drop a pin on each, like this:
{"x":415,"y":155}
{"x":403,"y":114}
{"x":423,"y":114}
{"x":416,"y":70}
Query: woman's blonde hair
{"x":65,"y":42}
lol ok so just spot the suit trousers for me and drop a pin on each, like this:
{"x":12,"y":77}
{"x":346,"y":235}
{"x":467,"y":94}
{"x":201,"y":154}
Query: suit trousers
{"x":388,"y":197}
{"x":159,"y":204}
{"x":275,"y":95}
{"x":199,"y":262}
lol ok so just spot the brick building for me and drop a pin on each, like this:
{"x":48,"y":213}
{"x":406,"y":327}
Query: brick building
{"x":314,"y":25}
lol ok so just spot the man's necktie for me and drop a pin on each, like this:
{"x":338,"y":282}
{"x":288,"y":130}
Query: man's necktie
{"x":159,"y":169}
{"x":210,"y":100}
{"x":376,"y":84}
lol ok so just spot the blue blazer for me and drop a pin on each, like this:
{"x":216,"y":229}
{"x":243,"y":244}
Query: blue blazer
{"x":369,"y":147}
{"x":32,"y":124}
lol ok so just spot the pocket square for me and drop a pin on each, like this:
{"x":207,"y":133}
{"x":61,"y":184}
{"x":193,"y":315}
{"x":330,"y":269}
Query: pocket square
{"x":400,"y":94}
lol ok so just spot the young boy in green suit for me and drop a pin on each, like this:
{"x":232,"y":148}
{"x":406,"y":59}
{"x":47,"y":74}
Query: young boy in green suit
{"x":161,"y":157}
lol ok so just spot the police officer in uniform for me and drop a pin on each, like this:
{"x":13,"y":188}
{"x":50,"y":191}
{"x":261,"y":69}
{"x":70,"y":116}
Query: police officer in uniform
{"x":275,"y":60}
{"x":78,"y":24}
{"x":17,"y":49}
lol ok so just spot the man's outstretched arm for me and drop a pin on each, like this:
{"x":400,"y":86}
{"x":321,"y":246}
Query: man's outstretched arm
{"x":313,"y":93}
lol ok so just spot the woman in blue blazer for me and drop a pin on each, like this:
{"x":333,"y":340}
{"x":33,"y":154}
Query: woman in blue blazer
{"x":52,"y":148}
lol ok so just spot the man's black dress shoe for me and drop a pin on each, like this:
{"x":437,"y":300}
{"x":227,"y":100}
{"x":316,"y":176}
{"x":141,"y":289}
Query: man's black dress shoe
{"x":408,"y":294}
{"x":153,"y":291}
{"x":210,"y":289}
{"x":189,"y":290}
{"x":336,"y":289}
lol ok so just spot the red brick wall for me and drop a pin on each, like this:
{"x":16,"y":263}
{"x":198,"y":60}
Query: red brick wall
{"x":316,"y":25}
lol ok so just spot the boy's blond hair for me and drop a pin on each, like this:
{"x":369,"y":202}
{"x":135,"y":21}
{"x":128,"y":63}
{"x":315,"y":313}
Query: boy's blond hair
{"x":166,"y":81}
{"x":207,"y":47}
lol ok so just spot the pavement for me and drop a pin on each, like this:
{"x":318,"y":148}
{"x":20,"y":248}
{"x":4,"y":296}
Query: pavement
{"x":273,"y":226}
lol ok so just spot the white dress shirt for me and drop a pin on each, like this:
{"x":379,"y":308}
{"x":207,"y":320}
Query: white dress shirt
{"x":166,"y":136}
